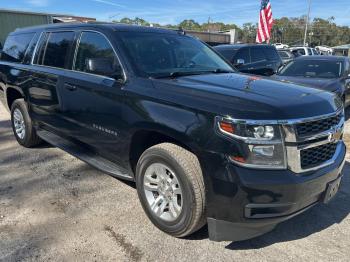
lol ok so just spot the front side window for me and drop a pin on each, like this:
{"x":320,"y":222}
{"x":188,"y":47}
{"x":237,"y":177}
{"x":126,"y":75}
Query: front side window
{"x":96,"y":56}
{"x":15,"y":47}
{"x":301,"y":51}
{"x":313,"y":69}
{"x":165,"y":54}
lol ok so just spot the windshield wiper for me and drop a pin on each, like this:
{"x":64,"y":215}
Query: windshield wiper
{"x":222,"y":71}
{"x":178,"y":74}
{"x":189,"y":73}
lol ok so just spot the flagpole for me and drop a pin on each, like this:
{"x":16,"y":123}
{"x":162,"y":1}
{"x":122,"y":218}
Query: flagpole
{"x":307,"y":22}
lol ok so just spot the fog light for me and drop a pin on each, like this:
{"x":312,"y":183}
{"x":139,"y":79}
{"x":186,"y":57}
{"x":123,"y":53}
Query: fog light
{"x":262,"y":150}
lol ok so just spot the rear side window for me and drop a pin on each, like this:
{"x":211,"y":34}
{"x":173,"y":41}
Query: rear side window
{"x":95,"y":55}
{"x":54,"y":49}
{"x":227,"y":53}
{"x":257,"y":54}
{"x":271,"y":54}
{"x":243,"y":54}
{"x":15,"y":47}
{"x":57,"y":49}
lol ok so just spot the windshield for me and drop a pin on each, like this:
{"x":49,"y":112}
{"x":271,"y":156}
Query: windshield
{"x":313,"y":69}
{"x":161,"y":55}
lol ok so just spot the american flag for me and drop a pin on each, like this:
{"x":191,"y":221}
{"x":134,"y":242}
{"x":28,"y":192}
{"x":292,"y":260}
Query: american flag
{"x":265,"y":22}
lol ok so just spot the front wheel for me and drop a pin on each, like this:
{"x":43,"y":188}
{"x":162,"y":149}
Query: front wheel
{"x":22,"y":125}
{"x":171,"y":189}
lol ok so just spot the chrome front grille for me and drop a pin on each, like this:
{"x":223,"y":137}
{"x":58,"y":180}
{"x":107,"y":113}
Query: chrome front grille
{"x":313,"y":143}
{"x":318,"y":126}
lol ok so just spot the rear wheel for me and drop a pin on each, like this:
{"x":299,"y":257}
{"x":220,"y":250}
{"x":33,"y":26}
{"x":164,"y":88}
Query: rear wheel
{"x":22,"y":124}
{"x":171,"y":189}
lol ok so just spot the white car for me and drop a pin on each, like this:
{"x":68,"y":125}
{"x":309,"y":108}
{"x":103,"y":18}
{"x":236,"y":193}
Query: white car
{"x":281,"y":46}
{"x":302,"y":51}
{"x":325,"y":50}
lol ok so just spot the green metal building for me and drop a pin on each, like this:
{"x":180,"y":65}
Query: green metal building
{"x":10,"y":20}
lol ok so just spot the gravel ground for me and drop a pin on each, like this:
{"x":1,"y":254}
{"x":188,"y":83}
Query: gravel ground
{"x":55,"y":207}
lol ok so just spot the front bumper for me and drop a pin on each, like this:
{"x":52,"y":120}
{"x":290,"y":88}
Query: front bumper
{"x":245,"y":203}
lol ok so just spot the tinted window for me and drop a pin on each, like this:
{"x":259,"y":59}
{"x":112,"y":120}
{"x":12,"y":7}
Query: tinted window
{"x":95,"y":55}
{"x":257,"y":54}
{"x":309,"y":51}
{"x":58,"y":48}
{"x":301,"y":51}
{"x":243,"y":54}
{"x":283,"y":54}
{"x":227,"y":53}
{"x":30,"y":50}
{"x":39,"y":55}
{"x":15,"y":47}
{"x":160,"y":55}
{"x":271,"y":54}
{"x":313,"y":69}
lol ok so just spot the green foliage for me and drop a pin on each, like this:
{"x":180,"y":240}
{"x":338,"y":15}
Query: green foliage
{"x":285,"y":30}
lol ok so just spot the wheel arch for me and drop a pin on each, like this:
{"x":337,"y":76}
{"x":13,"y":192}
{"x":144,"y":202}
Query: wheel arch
{"x":12,"y":94}
{"x":143,"y":139}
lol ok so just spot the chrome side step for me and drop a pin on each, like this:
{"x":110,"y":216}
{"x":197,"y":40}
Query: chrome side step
{"x":85,"y":155}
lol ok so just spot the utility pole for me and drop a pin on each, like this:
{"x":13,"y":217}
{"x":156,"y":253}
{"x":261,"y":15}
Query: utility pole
{"x":307,"y":22}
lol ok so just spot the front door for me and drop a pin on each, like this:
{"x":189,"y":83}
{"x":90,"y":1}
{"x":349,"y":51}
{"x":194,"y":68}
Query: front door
{"x":93,"y":96}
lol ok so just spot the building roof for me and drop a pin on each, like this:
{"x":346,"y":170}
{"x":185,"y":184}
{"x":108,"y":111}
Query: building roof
{"x":342,"y":47}
{"x":2,"y":10}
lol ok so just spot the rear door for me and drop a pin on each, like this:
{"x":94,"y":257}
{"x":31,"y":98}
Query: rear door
{"x":93,"y":95}
{"x":50,"y":63}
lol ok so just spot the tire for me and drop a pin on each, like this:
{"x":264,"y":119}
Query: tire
{"x":182,"y":168}
{"x":19,"y":111}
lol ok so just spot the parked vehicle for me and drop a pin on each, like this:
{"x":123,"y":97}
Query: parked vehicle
{"x":301,"y":51}
{"x":315,"y":52}
{"x":281,"y":46}
{"x":203,"y":144}
{"x":286,"y":55}
{"x":252,"y":59}
{"x":325,"y":50}
{"x":331,"y":73}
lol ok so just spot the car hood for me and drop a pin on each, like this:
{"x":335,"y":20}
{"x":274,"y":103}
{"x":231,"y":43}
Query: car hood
{"x":331,"y":85}
{"x":244,"y":96}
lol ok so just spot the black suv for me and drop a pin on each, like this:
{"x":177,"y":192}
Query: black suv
{"x":203,"y":144}
{"x":251,"y":58}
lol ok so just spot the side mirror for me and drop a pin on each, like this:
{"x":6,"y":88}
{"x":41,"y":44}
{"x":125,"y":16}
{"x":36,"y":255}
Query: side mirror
{"x":103,"y":66}
{"x":240,"y":62}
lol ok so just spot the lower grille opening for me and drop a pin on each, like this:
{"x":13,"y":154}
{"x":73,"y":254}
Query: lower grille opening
{"x":316,"y":156}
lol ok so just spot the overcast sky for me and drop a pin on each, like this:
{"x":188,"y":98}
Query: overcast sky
{"x":174,"y":11}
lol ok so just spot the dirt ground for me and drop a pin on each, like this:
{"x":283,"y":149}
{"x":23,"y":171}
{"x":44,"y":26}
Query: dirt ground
{"x":54,"y":207}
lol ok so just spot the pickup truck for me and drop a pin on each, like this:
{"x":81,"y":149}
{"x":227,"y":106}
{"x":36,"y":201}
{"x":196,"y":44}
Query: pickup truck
{"x":203,"y":143}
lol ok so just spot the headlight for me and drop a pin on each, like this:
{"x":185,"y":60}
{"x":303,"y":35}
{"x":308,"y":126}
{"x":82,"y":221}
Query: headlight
{"x":261,"y":144}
